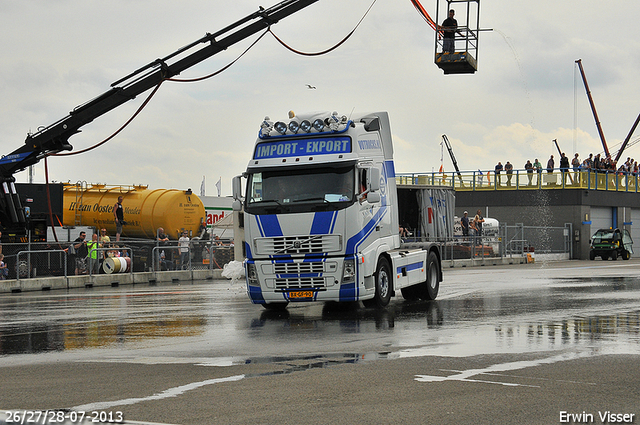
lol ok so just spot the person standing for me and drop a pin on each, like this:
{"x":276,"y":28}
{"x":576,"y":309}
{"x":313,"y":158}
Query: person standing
{"x":564,"y":166}
{"x":80,"y":248}
{"x":464,"y":222}
{"x":538,"y":167}
{"x":184,"y":250}
{"x":104,"y":238}
{"x":529,"y":167}
{"x":105,"y":241}
{"x":118,"y":214}
{"x":550,"y":164}
{"x":163,"y":240}
{"x":449,"y":28}
{"x":508,"y":167}
{"x":4,"y":270}
{"x":161,"y":237}
{"x":575,"y":162}
{"x":497,"y":170}
{"x":478,"y":220}
{"x":94,"y":262}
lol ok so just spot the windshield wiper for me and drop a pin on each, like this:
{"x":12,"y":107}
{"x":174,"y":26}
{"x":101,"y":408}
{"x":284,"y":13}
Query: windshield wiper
{"x":265,"y":201}
{"x":315,"y":198}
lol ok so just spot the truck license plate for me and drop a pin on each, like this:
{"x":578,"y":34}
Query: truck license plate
{"x":301,"y":294}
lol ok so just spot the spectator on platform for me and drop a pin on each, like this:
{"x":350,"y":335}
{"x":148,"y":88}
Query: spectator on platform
{"x":184,"y":250}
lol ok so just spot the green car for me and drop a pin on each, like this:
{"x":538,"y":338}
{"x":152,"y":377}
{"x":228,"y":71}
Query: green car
{"x":611,"y":243}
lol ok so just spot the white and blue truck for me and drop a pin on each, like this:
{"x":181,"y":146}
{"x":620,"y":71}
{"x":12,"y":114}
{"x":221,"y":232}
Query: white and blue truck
{"x":320,"y":215}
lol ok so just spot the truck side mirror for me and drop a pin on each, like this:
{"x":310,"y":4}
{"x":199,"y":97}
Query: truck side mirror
{"x":236,"y":185}
{"x":373,"y":197}
{"x":374,"y":179}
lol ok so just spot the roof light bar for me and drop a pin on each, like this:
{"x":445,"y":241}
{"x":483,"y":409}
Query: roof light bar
{"x":332,"y":123}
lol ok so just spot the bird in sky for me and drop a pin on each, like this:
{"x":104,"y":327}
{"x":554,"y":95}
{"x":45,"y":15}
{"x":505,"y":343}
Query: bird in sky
{"x":311,"y":87}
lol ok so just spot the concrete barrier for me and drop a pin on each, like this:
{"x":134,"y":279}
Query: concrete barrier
{"x":86,"y":281}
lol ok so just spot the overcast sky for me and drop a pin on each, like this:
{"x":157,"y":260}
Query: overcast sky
{"x":60,"y":54}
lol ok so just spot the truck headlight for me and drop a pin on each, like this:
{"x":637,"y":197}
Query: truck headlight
{"x":349,"y":271}
{"x":252,"y":275}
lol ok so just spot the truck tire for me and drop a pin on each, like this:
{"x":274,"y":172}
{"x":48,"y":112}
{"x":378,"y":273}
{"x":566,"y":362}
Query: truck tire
{"x":592,"y":255}
{"x":429,"y":288}
{"x":625,"y":255}
{"x":383,"y":281}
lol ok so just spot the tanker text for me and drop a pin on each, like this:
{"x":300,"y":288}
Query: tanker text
{"x":100,"y":208}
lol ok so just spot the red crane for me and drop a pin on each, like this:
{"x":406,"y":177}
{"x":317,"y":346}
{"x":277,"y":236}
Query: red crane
{"x":595,"y":115}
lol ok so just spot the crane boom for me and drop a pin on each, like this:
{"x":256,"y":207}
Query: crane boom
{"x":55,"y":137}
{"x":593,"y":109}
{"x":626,"y":140}
{"x":453,"y":157}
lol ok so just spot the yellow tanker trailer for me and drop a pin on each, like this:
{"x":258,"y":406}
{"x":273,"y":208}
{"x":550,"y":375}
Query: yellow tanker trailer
{"x":145,"y":210}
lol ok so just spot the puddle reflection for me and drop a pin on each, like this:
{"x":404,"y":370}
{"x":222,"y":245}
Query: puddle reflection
{"x":42,"y":338}
{"x":570,"y":312}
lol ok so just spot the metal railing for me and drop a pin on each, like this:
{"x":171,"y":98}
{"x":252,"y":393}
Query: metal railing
{"x":36,"y":260}
{"x":524,"y":180}
{"x":507,"y":241}
{"x":40,"y":263}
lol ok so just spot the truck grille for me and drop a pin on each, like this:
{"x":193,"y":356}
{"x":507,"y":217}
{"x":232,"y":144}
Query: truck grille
{"x":300,"y":283}
{"x":298,"y":268}
{"x":303,"y":275}
{"x":292,"y":245}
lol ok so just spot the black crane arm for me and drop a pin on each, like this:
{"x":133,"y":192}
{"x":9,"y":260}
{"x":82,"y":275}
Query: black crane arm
{"x":453,"y":157}
{"x":55,"y":137}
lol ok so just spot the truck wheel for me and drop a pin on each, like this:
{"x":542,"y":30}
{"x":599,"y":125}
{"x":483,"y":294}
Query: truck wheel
{"x":625,"y":255}
{"x":429,"y":289}
{"x":592,"y":255}
{"x":383,"y":285}
{"x":614,"y":255}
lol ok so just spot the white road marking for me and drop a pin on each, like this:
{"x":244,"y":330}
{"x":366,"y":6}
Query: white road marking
{"x":466,"y":374}
{"x":171,"y":392}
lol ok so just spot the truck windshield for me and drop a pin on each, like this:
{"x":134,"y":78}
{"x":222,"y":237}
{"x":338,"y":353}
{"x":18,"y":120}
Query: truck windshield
{"x":292,"y":190}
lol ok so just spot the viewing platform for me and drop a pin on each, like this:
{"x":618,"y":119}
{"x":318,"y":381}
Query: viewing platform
{"x":612,"y":181}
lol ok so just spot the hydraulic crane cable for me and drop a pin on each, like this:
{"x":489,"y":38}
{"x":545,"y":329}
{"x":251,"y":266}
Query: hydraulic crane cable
{"x":619,"y":145}
{"x":46,"y":175}
{"x":329,"y":49}
{"x":268,"y":30}
{"x":224,"y":68}
{"x":144,"y":104}
{"x":191,"y":80}
{"x":424,"y":14}
{"x":146,"y":101}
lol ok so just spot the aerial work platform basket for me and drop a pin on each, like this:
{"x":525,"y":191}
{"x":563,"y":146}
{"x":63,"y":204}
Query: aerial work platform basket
{"x":463,"y":60}
{"x":456,"y":63}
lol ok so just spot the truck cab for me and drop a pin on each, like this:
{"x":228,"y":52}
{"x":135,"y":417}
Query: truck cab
{"x":320,"y":215}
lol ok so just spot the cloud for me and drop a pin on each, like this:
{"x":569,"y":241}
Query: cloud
{"x":61,"y":54}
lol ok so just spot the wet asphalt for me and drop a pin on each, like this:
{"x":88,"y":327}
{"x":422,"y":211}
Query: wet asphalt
{"x":528,"y":344}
